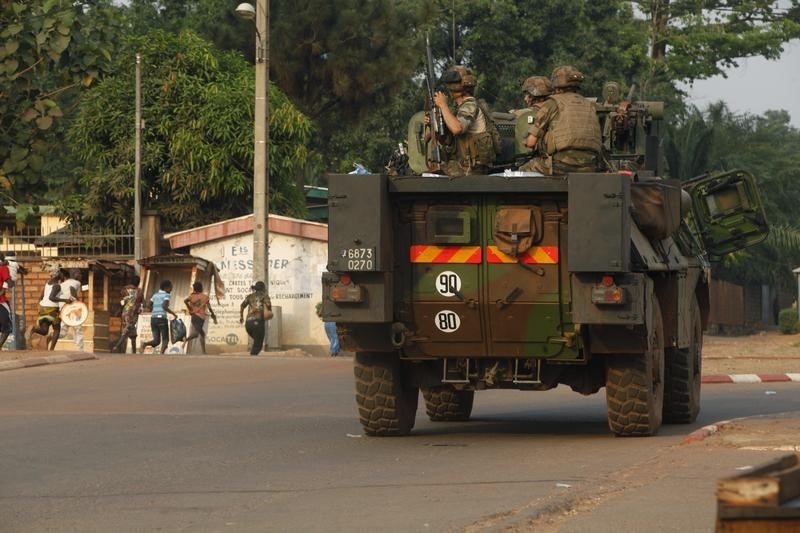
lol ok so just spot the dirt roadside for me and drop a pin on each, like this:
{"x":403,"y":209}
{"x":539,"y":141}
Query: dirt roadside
{"x":766,"y":352}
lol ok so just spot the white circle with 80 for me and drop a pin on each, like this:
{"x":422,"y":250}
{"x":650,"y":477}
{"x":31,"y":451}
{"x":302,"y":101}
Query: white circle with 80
{"x":447,"y":321}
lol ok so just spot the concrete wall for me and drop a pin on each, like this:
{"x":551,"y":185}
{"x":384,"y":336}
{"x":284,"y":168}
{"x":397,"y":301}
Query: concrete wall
{"x":295,"y":267}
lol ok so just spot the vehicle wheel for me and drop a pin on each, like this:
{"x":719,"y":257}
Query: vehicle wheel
{"x":446,"y":404}
{"x":387,"y":405}
{"x":682,"y":376}
{"x":635,"y":387}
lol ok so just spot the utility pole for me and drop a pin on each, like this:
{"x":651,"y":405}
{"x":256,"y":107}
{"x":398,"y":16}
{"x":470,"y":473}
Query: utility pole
{"x":137,"y":181}
{"x":261,"y":154}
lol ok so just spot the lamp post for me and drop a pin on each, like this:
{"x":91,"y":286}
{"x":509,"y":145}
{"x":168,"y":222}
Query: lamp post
{"x":260,"y":14}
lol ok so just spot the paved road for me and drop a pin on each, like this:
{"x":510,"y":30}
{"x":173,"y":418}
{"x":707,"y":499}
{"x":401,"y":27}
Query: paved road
{"x":270,"y":444}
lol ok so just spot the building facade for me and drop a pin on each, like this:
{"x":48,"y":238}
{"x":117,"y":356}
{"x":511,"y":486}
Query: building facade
{"x":298,"y":254}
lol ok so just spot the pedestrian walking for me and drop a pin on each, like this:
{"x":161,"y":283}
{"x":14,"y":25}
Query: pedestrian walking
{"x":199,"y":308}
{"x":159,"y":304}
{"x":132,"y":299}
{"x":256,"y":325}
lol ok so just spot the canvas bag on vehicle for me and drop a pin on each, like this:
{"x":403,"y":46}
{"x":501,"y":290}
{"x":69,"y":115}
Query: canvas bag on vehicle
{"x":516,"y":229}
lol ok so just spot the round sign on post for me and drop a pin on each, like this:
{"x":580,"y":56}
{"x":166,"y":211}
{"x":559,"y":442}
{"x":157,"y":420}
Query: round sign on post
{"x":74,"y":313}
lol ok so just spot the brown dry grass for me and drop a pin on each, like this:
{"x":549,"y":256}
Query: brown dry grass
{"x":765,"y":352}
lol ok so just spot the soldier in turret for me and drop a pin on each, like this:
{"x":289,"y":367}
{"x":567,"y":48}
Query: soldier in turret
{"x":568,"y":127}
{"x":535,"y":91}
{"x":474,"y":150}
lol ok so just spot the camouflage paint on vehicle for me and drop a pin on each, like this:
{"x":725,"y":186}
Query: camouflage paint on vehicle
{"x":454,"y":285}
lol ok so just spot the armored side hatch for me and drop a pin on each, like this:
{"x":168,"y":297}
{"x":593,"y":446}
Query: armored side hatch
{"x":727,"y":212}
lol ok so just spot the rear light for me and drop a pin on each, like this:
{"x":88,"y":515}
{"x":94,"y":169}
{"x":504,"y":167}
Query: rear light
{"x":345,"y":279}
{"x":347,"y":293}
{"x":608,"y":293}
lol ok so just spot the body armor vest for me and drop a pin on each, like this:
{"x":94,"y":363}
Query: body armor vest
{"x":576,"y":127}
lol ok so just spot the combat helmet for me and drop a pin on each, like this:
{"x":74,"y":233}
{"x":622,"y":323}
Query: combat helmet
{"x":537,"y":86}
{"x":458,"y":78}
{"x":566,"y":76}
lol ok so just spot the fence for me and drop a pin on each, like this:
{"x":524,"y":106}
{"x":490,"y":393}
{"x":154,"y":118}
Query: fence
{"x":727,"y":304}
{"x":65,"y":242}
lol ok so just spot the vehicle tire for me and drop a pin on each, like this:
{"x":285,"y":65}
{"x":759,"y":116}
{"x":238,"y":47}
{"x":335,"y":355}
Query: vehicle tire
{"x":635,"y":387}
{"x":682,"y":376}
{"x":387,"y":404}
{"x":447,"y":404}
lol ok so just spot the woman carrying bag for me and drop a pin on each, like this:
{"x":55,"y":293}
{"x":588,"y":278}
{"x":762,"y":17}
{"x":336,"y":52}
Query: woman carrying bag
{"x":259,"y":311}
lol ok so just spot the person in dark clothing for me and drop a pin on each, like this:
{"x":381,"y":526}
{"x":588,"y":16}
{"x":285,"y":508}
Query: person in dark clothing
{"x":256,"y":326}
{"x":132,"y":298}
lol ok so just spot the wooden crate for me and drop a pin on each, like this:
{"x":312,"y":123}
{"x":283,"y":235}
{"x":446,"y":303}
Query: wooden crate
{"x":766,"y":499}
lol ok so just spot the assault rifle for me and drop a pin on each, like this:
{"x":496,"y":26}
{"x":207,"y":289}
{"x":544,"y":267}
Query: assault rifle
{"x":437,"y":124}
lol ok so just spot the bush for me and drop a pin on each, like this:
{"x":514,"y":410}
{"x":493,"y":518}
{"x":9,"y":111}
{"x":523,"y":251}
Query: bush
{"x":787,"y":321}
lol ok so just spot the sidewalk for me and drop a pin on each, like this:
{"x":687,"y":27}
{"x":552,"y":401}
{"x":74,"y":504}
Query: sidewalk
{"x":759,"y":358}
{"x":14,"y":359}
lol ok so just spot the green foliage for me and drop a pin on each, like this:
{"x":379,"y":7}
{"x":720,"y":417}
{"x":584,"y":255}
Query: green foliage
{"x":197,"y":143}
{"x":787,"y":321}
{"x":505,"y":41}
{"x":687,"y":146}
{"x":345,"y":63}
{"x":50,"y":50}
{"x":215,"y":20}
{"x":769,"y":147}
{"x":697,"y":39}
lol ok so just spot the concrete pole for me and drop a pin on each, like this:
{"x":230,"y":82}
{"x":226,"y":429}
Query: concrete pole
{"x":261,"y":149}
{"x":137,"y":181}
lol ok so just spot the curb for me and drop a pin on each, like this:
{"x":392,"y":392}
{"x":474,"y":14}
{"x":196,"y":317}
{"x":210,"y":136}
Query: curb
{"x":47,"y":360}
{"x":749,"y":378}
{"x":705,"y":431}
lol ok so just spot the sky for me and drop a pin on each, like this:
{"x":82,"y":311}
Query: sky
{"x":756,"y":85}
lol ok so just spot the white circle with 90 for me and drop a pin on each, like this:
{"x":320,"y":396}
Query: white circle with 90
{"x":447,"y":321}
{"x":448,"y":283}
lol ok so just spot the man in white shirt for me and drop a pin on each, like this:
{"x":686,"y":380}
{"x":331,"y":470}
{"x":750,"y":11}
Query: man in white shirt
{"x":52,"y":298}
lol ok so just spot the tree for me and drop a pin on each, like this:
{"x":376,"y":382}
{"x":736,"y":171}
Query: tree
{"x":347,"y":64}
{"x":697,"y":39}
{"x":50,"y":51}
{"x":506,"y":41}
{"x":688,"y":145}
{"x":197,"y":145}
{"x":769,"y":147}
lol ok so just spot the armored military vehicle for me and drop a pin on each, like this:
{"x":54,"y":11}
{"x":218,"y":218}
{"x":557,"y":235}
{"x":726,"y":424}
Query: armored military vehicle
{"x":450,"y":286}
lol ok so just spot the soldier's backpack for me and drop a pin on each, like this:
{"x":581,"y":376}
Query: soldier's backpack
{"x":491,"y":127}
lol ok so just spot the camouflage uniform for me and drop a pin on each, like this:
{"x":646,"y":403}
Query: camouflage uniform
{"x":567,"y":129}
{"x":535,"y":91}
{"x":472,"y":150}
{"x":473,"y":147}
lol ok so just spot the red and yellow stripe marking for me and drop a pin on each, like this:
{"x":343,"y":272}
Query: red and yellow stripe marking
{"x":538,"y":255}
{"x":423,"y":253}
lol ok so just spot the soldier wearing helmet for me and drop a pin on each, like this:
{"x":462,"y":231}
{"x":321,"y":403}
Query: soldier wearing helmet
{"x":474,"y":151}
{"x":568,"y":128}
{"x":535,"y":91}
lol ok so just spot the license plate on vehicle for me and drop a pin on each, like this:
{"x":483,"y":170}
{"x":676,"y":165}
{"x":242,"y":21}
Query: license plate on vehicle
{"x":359,"y":259}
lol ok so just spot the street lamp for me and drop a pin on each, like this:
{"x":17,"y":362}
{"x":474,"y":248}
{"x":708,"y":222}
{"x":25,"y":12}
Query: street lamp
{"x":260,"y":14}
